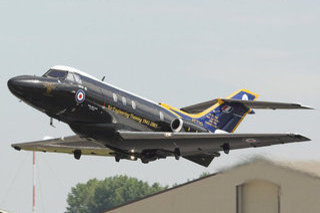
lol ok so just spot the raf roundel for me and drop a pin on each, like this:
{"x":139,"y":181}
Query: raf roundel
{"x":80,"y":96}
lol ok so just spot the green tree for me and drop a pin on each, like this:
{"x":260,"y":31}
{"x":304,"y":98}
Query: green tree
{"x":100,"y":195}
{"x":204,"y":174}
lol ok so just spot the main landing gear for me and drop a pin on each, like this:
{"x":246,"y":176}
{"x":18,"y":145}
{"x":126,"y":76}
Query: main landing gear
{"x":226,"y":148}
{"x":77,"y":154}
{"x":177,"y":153}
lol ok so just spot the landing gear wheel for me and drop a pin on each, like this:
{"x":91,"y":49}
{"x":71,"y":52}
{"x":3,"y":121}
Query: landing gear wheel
{"x":117,"y":158}
{"x":226,"y":148}
{"x":177,"y":153}
{"x":77,"y":154}
{"x":144,"y":161}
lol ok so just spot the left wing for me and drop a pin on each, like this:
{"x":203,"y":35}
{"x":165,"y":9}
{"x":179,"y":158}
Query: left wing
{"x":66,"y":145}
{"x":203,"y":147}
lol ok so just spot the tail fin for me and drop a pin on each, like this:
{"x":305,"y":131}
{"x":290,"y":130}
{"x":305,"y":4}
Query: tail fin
{"x":217,"y":114}
{"x":227,"y":117}
{"x":243,"y":94}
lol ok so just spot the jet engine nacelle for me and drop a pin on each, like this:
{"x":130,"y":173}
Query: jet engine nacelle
{"x":176,"y":125}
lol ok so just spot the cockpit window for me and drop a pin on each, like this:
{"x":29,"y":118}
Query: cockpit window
{"x":77,"y":78}
{"x":60,"y":74}
{"x":70,"y":77}
{"x":56,"y":74}
{"x":74,"y":78}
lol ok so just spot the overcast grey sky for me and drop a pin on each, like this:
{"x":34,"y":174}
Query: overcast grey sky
{"x":178,"y":52}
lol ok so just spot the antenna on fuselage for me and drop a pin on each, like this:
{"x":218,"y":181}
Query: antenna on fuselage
{"x":51,"y":122}
{"x":103,"y":78}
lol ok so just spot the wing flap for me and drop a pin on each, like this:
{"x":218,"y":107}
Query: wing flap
{"x":65,"y":145}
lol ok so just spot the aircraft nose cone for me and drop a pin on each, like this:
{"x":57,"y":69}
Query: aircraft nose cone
{"x":13,"y":84}
{"x":20,"y":85}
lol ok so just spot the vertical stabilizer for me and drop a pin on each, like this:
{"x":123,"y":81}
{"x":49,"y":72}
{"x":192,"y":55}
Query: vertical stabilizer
{"x":227,"y":117}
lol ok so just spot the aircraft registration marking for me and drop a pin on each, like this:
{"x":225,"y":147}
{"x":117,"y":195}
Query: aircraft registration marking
{"x":92,"y":108}
{"x":197,"y":122}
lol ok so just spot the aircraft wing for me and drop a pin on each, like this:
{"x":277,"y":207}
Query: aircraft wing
{"x":65,"y":145}
{"x":201,"y":148}
{"x":196,"y":108}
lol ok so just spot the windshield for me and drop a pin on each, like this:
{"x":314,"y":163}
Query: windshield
{"x":56,"y":74}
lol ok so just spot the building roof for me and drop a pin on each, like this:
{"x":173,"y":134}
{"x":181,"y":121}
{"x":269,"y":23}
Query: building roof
{"x":163,"y":191}
{"x":308,"y":167}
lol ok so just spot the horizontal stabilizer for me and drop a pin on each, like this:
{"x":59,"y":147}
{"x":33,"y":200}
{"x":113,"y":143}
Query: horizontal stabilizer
{"x":196,"y":108}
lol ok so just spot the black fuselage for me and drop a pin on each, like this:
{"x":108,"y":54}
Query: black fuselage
{"x":94,"y":109}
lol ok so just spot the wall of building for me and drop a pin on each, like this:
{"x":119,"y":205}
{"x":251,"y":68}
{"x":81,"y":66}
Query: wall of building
{"x":298,"y":192}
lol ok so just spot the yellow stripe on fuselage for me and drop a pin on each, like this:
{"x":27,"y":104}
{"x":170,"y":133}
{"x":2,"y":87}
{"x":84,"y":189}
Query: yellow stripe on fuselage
{"x":198,"y":115}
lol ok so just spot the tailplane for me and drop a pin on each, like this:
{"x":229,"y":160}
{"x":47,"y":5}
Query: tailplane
{"x":225,"y":114}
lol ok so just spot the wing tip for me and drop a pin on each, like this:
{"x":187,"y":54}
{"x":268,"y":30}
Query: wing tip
{"x":301,"y":106}
{"x":300,"y":137}
{"x":307,"y":107}
{"x":16,"y":147}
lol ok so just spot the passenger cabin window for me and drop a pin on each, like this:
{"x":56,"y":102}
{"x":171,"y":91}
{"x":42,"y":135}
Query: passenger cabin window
{"x":115,"y":98}
{"x":133,"y":104}
{"x":161,"y":116}
{"x":124,"y":101}
{"x":56,"y":74}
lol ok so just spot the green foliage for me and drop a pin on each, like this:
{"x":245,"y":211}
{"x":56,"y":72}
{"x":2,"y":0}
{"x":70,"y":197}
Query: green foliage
{"x":204,"y":174}
{"x":100,"y":195}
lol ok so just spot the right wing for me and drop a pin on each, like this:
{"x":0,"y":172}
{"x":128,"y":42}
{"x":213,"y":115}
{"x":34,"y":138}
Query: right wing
{"x":66,"y":145}
{"x":201,"y":148}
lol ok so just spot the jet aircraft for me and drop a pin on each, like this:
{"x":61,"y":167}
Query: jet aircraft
{"x":109,"y":121}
